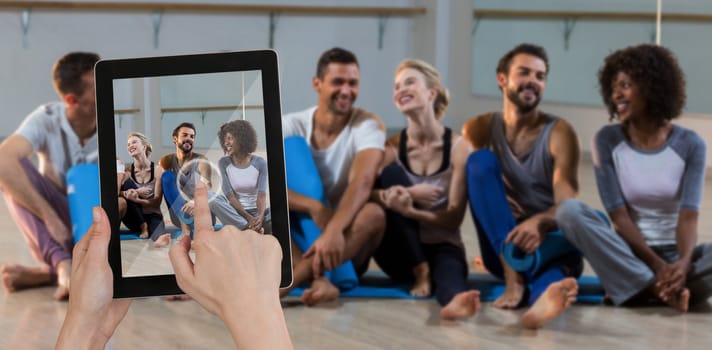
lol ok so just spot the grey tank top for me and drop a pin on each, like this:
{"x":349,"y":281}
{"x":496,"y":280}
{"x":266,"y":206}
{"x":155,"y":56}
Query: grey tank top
{"x":433,"y":234}
{"x":528,"y":179}
{"x":150,"y":185}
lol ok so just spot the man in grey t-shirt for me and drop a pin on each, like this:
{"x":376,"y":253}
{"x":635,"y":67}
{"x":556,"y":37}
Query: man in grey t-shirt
{"x":61,"y":134}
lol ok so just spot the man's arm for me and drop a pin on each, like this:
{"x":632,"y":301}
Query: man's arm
{"x":302,"y":204}
{"x":205,"y":171}
{"x":362,"y":175}
{"x":328,"y":248}
{"x":565,"y":151}
{"x":14,"y":181}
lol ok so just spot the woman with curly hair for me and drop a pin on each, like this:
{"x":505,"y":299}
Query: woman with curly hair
{"x":650,"y":175}
{"x":244,"y":174}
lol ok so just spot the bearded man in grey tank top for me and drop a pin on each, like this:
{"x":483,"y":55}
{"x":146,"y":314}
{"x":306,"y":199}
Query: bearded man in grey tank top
{"x":518,"y":165}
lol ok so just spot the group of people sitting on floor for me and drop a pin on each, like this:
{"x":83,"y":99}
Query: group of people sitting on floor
{"x":241,"y":200}
{"x":402,"y":200}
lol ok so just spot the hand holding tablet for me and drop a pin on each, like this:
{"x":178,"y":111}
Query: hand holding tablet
{"x":213,"y":119}
{"x":236,"y":277}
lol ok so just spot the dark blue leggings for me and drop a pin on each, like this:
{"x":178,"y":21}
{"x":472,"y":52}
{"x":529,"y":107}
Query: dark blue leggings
{"x":401,"y":250}
{"x":494,"y":220}
{"x":135,"y":216}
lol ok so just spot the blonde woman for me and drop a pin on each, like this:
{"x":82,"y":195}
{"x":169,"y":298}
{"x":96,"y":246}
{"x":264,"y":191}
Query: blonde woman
{"x":142,"y":192}
{"x":422,"y":243}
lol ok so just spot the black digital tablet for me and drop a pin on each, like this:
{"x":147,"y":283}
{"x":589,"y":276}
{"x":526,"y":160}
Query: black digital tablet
{"x":214,"y":118}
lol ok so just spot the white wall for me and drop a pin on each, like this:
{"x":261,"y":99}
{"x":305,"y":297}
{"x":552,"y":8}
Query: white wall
{"x":25,"y":79}
{"x":442,"y":36}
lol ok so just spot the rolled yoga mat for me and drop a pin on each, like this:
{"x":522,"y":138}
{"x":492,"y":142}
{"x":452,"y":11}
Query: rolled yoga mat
{"x":82,"y":194}
{"x":553,"y":246}
{"x":303,"y":178}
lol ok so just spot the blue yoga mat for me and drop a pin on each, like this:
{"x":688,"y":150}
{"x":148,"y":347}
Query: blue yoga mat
{"x":553,"y":246}
{"x":375,"y":284}
{"x":303,"y":178}
{"x":82,"y":194}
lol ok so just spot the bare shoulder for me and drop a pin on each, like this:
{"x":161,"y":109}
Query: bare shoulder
{"x":165,"y":162}
{"x":563,"y":135}
{"x":394,"y":141}
{"x":476,"y":130}
{"x":361,"y":116}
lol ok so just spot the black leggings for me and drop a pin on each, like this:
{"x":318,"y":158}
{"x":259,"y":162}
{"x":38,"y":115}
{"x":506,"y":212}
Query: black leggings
{"x":135,"y":217}
{"x":401,"y":250}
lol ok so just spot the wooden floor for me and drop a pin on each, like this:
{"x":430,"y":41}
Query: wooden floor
{"x":31,"y":319}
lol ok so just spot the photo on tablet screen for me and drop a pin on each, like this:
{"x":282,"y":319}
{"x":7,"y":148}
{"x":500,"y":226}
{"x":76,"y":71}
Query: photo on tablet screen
{"x":172,"y":129}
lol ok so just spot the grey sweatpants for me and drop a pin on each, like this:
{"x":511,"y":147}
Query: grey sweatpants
{"x":622,"y":274}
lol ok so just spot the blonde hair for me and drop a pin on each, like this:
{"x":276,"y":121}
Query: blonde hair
{"x":144,"y":141}
{"x":432,"y":81}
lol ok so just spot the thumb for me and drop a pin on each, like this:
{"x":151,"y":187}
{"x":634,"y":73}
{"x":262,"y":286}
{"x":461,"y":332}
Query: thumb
{"x":96,"y":238}
{"x":182,"y":265}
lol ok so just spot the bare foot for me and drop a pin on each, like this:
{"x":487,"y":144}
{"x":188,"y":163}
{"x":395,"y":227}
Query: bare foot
{"x":680,"y":301}
{"x":514,"y":288}
{"x":61,"y":293}
{"x":16,"y":277}
{"x":144,"y":231}
{"x":463,"y":304}
{"x":162,"y":241}
{"x":512,"y":296}
{"x":479,"y":265}
{"x":321,"y":291}
{"x":555,"y":299}
{"x":421,"y":287}
{"x":64,"y":269}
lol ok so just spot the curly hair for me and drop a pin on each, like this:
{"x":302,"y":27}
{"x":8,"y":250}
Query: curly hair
{"x":432,"y":81}
{"x":657,"y":74}
{"x":244,"y":134}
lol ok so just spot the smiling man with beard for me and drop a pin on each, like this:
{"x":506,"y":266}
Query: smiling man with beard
{"x":174,"y":165}
{"x":181,"y":171}
{"x":520,"y":164}
{"x":346,"y":144}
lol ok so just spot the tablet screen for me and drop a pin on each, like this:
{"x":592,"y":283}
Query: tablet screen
{"x":175,"y":122}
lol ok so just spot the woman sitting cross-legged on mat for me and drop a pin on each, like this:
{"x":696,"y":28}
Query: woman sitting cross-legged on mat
{"x":244,"y":174}
{"x":420,"y":246}
{"x":143,"y":193}
{"x":650,"y":174}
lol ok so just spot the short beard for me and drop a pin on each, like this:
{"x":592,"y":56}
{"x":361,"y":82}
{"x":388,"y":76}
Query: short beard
{"x":523,"y":107}
{"x":184,"y":151}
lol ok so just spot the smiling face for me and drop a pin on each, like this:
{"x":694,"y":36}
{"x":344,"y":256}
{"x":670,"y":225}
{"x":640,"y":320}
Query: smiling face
{"x":626,"y":98}
{"x":185,"y":139}
{"x":338,"y":88}
{"x":410,"y":91}
{"x":135,"y":146}
{"x":229,"y":144}
{"x":525,"y":82}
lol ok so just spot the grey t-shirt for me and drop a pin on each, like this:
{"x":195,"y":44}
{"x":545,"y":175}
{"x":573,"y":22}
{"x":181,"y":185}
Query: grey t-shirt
{"x":245,"y":182}
{"x":57,"y":145}
{"x":652,"y":185}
